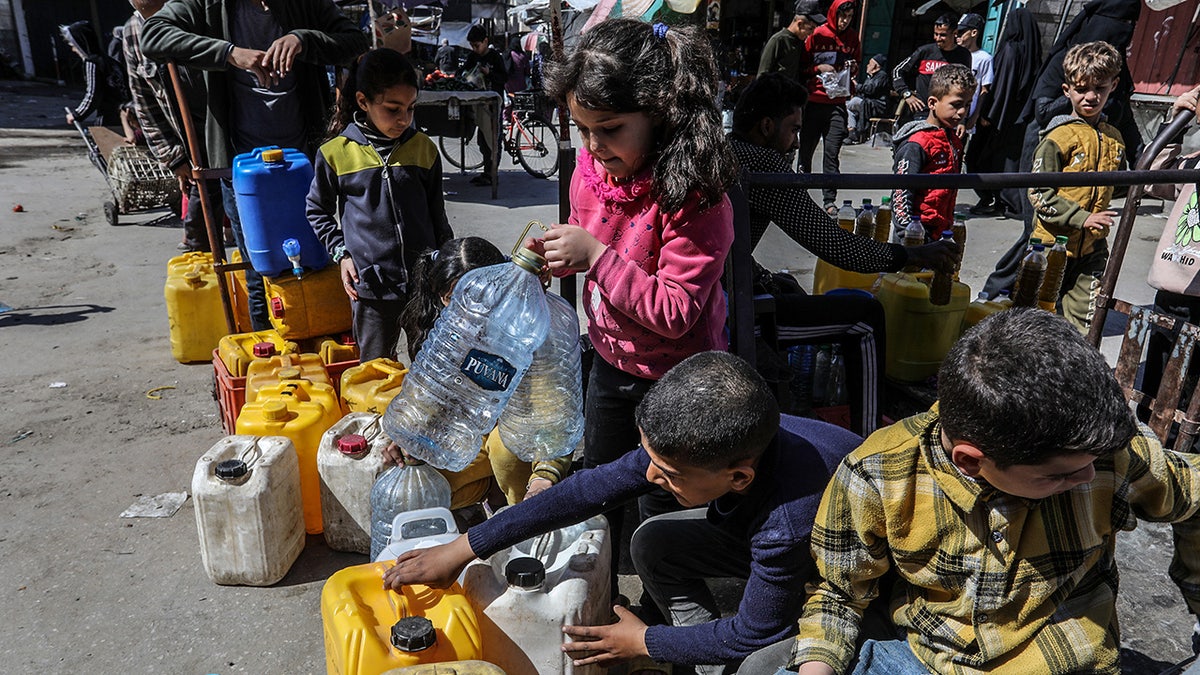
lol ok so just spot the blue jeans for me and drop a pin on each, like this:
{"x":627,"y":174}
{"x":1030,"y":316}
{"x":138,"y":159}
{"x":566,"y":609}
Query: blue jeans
{"x":876,"y":657}
{"x":255,"y":290}
{"x":888,"y":657}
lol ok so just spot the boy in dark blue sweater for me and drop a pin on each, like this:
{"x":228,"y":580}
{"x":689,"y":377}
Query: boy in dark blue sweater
{"x":711,"y":436}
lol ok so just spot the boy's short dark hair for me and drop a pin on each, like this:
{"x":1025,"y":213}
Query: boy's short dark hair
{"x":1024,"y":387}
{"x":773,"y":95}
{"x":945,"y":20}
{"x":950,"y":77}
{"x":1091,"y":62}
{"x":476,"y":33}
{"x":712,"y":410}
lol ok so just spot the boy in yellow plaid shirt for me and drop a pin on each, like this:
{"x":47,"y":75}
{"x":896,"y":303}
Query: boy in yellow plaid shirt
{"x":997,"y":510}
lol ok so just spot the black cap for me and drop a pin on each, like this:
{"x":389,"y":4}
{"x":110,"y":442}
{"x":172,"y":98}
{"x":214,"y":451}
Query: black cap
{"x":881,"y":59}
{"x":970,"y":22}
{"x":811,"y":10}
{"x":413,"y":634}
{"x":231,"y":468}
{"x":525,"y":572}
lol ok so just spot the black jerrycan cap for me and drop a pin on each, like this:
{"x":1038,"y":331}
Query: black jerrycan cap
{"x":525,"y":572}
{"x":231,"y":469}
{"x":413,"y":634}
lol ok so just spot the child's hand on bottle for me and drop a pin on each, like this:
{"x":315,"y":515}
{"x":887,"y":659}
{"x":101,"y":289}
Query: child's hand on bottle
{"x":392,"y":455}
{"x":349,"y":277}
{"x":1100,"y":220}
{"x":570,"y":247}
{"x":537,"y":485}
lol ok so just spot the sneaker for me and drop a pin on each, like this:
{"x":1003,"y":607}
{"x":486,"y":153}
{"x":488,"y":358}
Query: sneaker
{"x":481,"y":179}
{"x":986,"y":209}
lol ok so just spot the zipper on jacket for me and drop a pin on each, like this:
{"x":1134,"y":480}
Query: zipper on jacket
{"x":387,"y":187}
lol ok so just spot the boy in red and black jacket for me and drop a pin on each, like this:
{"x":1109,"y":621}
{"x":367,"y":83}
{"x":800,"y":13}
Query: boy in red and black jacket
{"x":932,"y":146}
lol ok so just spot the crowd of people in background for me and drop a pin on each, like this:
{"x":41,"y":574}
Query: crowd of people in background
{"x":725,"y":485}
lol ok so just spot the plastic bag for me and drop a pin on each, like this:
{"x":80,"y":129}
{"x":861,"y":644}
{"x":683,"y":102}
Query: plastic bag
{"x":837,"y":83}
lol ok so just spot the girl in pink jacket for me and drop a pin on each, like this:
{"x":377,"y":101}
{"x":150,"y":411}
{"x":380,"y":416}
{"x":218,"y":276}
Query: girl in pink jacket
{"x":650,"y":224}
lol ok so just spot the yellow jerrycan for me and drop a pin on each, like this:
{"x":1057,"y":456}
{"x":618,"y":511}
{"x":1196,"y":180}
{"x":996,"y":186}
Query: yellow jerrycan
{"x":269,"y":372}
{"x":919,"y":332}
{"x":238,"y":350}
{"x":309,"y":305}
{"x":980,"y":309}
{"x":301,"y":411}
{"x":453,"y":668}
{"x":369,"y":630}
{"x":371,"y":386}
{"x":827,"y":277}
{"x":194,"y":312}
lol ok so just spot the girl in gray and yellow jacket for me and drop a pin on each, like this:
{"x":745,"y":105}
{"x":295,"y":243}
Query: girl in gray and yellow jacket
{"x":1080,"y":142}
{"x":384,"y":179}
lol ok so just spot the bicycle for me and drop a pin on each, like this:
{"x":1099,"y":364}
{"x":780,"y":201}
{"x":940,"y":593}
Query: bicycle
{"x":528,"y":138}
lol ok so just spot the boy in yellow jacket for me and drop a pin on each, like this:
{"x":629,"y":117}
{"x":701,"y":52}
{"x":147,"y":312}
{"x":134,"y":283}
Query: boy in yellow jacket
{"x":1081,"y":141}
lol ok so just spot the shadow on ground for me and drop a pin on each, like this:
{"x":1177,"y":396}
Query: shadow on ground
{"x":50,"y":315}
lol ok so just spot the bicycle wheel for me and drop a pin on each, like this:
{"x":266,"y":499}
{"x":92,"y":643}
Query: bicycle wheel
{"x":537,"y":146}
{"x":461,"y":153}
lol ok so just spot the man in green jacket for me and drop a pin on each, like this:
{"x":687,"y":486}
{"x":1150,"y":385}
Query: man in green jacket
{"x":264,"y":63}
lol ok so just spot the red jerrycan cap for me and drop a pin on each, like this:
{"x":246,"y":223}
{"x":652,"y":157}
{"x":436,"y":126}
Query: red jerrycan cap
{"x":352,"y":444}
{"x":263,"y":350}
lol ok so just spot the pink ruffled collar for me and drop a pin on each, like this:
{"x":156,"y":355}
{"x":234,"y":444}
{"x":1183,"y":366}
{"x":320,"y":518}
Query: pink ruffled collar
{"x":593,"y":175}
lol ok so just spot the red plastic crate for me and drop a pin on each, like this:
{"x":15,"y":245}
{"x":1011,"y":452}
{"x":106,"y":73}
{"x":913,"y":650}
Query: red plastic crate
{"x":230,"y":393}
{"x":336,"y":370}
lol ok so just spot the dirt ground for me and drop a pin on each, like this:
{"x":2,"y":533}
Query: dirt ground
{"x":80,"y":439}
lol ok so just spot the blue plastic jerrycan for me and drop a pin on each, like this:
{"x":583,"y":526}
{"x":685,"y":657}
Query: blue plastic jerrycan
{"x":271,"y":185}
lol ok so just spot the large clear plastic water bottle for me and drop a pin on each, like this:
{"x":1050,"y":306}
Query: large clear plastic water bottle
{"x":471,"y":363}
{"x":544,"y":417}
{"x":405,"y":487}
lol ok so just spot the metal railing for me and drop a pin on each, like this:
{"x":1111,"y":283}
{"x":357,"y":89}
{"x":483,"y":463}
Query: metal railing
{"x":741,"y":298}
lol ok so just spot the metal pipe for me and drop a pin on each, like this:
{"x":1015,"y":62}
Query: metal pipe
{"x":214,"y":234}
{"x":963,"y":181}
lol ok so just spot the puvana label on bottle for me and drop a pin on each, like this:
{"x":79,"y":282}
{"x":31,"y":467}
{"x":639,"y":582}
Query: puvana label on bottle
{"x":489,"y":371}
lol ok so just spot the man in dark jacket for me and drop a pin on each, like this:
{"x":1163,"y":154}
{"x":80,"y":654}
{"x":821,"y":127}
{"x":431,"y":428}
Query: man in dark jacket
{"x":871,"y":99}
{"x":264,"y":63}
{"x":489,"y":63}
{"x":910,"y":79}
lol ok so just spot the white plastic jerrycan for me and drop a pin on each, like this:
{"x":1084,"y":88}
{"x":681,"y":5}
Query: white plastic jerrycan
{"x":248,"y":510}
{"x":527,"y":593}
{"x":419,"y":528}
{"x":349,"y":460}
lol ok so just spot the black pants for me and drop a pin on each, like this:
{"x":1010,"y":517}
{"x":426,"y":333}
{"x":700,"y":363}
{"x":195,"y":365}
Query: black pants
{"x":376,"y":327}
{"x":980,"y":161}
{"x":829,"y":121}
{"x":855,"y":323}
{"x":194,"y":231}
{"x":609,"y":432}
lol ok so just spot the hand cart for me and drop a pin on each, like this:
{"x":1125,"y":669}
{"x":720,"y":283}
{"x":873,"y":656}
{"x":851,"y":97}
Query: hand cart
{"x":138,"y":181}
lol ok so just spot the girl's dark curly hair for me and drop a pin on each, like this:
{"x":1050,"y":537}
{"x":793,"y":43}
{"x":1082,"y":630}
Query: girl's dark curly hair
{"x":433,"y":277}
{"x":623,"y":66}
